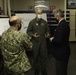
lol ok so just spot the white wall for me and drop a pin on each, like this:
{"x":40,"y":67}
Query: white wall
{"x":57,"y":3}
{"x":1,"y":4}
{"x":72,"y":25}
{"x":4,"y":25}
{"x":21,"y":5}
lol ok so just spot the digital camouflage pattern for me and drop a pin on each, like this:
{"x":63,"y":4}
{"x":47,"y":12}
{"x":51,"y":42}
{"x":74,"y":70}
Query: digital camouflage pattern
{"x":14,"y":45}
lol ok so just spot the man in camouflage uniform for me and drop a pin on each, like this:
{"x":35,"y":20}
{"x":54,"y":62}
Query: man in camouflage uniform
{"x":39,"y":31}
{"x":14,"y":45}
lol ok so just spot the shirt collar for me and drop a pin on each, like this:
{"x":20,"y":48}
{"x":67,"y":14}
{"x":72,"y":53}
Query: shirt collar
{"x":12,"y":28}
{"x":61,"y":20}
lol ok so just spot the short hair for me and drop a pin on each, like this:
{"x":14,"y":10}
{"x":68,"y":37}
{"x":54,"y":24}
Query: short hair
{"x":14,"y":22}
{"x":36,"y":10}
{"x":58,"y":12}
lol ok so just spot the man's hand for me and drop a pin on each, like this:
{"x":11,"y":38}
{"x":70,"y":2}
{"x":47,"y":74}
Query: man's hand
{"x":47,"y":35}
{"x":51,"y":38}
{"x":35,"y":35}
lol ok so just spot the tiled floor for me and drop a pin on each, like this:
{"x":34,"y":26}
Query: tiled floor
{"x":72,"y":61}
{"x":71,"y":65}
{"x":51,"y":62}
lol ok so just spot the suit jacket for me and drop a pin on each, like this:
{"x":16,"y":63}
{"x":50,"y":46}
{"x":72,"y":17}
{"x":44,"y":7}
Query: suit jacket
{"x":61,"y":49}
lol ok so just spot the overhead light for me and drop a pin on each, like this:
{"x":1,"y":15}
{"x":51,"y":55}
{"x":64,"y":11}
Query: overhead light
{"x":43,"y":4}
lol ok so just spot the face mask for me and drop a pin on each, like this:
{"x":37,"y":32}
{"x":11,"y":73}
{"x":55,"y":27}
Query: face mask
{"x":19,"y":27}
{"x":39,"y":16}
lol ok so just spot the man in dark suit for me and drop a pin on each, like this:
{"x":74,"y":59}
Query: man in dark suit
{"x":60,"y":42}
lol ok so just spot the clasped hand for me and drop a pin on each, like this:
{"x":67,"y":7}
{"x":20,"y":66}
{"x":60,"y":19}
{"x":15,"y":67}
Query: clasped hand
{"x":36,"y":35}
{"x":51,"y":38}
{"x":47,"y":35}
